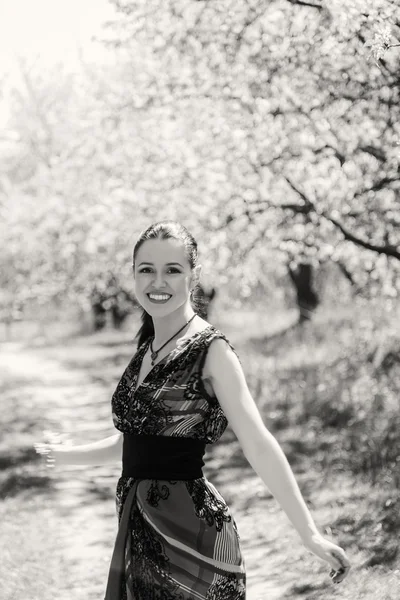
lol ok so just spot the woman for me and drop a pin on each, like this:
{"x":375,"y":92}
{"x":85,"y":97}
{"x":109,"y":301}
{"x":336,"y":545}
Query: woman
{"x":177,"y":538}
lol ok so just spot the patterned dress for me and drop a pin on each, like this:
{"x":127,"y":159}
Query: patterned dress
{"x":182,"y":540}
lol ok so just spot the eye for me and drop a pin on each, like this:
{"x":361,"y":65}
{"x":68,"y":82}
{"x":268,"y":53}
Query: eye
{"x":173,"y":269}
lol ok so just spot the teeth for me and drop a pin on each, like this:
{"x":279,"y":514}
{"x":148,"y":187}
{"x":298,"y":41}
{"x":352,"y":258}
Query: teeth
{"x":159,"y":297}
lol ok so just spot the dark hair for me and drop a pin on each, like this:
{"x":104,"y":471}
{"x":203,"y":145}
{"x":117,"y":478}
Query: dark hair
{"x":166,"y":230}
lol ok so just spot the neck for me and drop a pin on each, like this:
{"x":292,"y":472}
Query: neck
{"x":165,"y":327}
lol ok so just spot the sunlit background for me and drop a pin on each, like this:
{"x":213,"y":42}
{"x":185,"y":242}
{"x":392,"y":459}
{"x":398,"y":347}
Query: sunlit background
{"x":50,"y":29}
{"x":49,"y":32}
{"x":271,"y":130}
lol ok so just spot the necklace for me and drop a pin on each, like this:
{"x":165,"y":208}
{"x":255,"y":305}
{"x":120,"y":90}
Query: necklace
{"x":154,"y":353}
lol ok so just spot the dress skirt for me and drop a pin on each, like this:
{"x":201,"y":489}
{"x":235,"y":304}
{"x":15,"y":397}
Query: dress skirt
{"x":176,"y":541}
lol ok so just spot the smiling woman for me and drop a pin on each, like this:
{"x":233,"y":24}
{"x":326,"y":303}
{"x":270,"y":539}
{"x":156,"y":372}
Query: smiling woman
{"x":176,"y":533}
{"x":177,"y":537}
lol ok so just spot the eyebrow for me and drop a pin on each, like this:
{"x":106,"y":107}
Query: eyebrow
{"x":168,"y":264}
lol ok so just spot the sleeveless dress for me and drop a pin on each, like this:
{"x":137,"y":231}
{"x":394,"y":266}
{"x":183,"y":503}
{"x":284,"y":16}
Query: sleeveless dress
{"x":182,"y":540}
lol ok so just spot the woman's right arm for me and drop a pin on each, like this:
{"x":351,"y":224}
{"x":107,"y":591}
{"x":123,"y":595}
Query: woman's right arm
{"x":107,"y":450}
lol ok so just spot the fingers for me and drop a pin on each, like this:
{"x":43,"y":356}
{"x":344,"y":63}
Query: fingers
{"x":50,"y":461}
{"x":339,"y":575}
{"x":340,"y":571}
{"x":46,"y":451}
{"x":53,"y":440}
{"x":42,"y":448}
{"x":342,"y":564}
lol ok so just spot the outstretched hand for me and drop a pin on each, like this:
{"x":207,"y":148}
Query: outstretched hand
{"x":46,"y":451}
{"x":53,"y":440}
{"x":333,"y":554}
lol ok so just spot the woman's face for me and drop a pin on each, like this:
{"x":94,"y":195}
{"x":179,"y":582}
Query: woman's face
{"x":161,"y":267}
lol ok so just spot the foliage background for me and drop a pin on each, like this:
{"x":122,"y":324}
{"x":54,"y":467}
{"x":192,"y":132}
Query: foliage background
{"x":270,"y":129}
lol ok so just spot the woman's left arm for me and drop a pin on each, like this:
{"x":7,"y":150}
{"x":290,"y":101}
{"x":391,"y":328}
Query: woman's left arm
{"x":264,"y":453}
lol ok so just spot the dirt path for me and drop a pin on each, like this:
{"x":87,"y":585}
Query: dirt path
{"x":82,"y":502}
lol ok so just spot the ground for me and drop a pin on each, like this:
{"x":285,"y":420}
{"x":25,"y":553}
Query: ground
{"x":59,"y":526}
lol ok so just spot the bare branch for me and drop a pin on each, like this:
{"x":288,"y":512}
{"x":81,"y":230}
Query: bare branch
{"x":339,"y":155}
{"x":306,"y":200}
{"x":310,"y":4}
{"x":252,"y":17}
{"x":303,"y":209}
{"x":378,"y":153}
{"x":388,"y":250}
{"x":378,"y":185}
{"x":345,"y":271}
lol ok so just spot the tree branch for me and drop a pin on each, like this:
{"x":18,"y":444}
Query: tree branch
{"x":345,"y":271}
{"x":306,"y":200}
{"x":310,"y":4}
{"x":251,"y":19}
{"x":377,"y":153}
{"x":386,"y":249}
{"x":378,"y":185}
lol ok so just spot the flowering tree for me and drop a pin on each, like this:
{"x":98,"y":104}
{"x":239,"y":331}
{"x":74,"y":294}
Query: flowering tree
{"x":289,"y":113}
{"x":271,"y":129}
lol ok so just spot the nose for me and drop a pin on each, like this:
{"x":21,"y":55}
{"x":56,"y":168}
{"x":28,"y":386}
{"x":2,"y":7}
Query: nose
{"x":159,"y":281}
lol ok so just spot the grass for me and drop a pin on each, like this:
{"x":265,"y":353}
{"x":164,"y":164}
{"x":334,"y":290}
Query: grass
{"x":330,"y":395}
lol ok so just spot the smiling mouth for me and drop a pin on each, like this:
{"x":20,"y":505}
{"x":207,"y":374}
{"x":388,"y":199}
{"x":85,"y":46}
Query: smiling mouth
{"x":159,"y":297}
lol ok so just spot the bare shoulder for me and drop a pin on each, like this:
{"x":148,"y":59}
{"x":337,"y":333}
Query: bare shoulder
{"x":219,"y":350}
{"x":223,"y":369}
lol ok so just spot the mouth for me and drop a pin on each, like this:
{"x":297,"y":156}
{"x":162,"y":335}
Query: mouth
{"x":159,"y":298}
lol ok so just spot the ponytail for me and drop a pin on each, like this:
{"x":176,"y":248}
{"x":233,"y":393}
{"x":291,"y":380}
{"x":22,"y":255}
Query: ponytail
{"x":146,"y":330}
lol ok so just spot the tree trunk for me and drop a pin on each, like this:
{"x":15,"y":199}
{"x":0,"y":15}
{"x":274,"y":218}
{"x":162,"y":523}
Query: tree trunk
{"x":306,"y":297}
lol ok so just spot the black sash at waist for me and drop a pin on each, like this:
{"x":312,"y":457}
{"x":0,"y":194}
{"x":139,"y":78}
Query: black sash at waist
{"x":162,"y":457}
